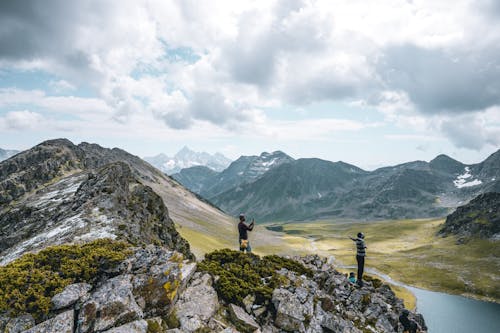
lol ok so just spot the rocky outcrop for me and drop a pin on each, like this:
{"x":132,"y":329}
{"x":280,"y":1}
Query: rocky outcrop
{"x":479,"y":218}
{"x":155,"y":290}
{"x":136,"y":295}
{"x":108,"y":202}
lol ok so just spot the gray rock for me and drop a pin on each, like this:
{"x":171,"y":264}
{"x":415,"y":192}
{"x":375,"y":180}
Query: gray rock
{"x":242,"y":320}
{"x":384,"y":325}
{"x":187,"y":272}
{"x":19,"y":324}
{"x":197,"y":304}
{"x":62,"y":323}
{"x":138,"y":326}
{"x":338,"y":324}
{"x":70,"y":295}
{"x":111,"y":304}
{"x":290,"y":312}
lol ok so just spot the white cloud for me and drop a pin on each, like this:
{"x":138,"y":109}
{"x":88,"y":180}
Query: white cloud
{"x":21,"y":120}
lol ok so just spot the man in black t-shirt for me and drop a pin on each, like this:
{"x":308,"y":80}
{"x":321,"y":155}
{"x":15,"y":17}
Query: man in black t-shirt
{"x":243,"y":229}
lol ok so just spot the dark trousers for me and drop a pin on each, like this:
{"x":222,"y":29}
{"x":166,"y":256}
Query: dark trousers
{"x":361,"y":267}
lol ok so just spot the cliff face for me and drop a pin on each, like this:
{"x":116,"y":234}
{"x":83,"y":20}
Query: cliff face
{"x":479,"y":218}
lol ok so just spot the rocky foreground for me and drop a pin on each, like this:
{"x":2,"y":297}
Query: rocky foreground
{"x":155,"y":290}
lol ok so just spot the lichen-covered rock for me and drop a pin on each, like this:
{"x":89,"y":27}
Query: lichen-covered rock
{"x":111,"y":304}
{"x":19,"y":324}
{"x":70,"y":295}
{"x":197,"y":304}
{"x":242,"y":320}
{"x":138,"y":326}
{"x":62,"y":323}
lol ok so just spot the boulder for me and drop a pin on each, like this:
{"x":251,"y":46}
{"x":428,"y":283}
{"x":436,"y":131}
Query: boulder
{"x":70,"y":295}
{"x":197,"y":304}
{"x":19,"y":324}
{"x":242,"y":320}
{"x":111,"y":304}
{"x":138,"y":326}
{"x":62,"y":323}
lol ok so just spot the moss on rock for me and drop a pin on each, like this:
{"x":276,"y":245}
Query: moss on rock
{"x":29,"y":283}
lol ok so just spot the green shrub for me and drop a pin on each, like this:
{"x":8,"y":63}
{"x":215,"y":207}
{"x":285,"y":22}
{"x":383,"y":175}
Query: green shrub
{"x":243,"y":274}
{"x":29,"y":283}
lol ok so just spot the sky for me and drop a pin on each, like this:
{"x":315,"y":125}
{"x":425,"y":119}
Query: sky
{"x":372,"y":83}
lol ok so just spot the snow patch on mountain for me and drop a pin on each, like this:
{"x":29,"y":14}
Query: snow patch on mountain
{"x":465,"y":179}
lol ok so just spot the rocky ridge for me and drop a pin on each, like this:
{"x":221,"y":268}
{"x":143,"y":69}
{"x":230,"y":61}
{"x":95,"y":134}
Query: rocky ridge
{"x":58,"y":192}
{"x":156,"y":290}
{"x":479,"y":218}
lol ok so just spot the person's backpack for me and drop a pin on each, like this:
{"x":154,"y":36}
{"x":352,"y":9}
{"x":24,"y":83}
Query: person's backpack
{"x":244,"y":244}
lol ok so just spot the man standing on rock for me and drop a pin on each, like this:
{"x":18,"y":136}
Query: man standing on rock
{"x":243,"y":229}
{"x":360,"y":255}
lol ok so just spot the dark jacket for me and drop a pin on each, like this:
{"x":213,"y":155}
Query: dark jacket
{"x":243,"y":229}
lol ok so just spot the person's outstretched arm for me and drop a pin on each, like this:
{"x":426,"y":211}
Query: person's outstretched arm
{"x":252,"y":224}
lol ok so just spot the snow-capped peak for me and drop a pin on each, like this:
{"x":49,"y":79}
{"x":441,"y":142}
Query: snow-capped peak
{"x":187,"y":158}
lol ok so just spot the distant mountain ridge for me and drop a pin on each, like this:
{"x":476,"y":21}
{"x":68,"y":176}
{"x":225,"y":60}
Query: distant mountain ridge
{"x":5,"y":154}
{"x":187,"y":158}
{"x":307,"y":189}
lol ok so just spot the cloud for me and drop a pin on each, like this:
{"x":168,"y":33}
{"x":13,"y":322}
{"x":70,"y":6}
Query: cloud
{"x":422,"y":63}
{"x":443,"y":80}
{"x":21,"y":120}
{"x":474,"y":131}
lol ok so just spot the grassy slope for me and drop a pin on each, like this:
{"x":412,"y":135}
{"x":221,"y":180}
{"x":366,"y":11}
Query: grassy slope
{"x":409,"y":251}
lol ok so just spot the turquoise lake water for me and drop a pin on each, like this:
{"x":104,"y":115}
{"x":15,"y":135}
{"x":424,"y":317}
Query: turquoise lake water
{"x":446,"y":313}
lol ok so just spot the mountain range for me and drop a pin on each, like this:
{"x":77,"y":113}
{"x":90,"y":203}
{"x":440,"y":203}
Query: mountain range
{"x":5,"y":154}
{"x":186,"y":158}
{"x":309,"y":189}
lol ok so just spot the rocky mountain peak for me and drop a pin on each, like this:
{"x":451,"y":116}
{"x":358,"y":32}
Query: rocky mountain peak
{"x":446,"y":164}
